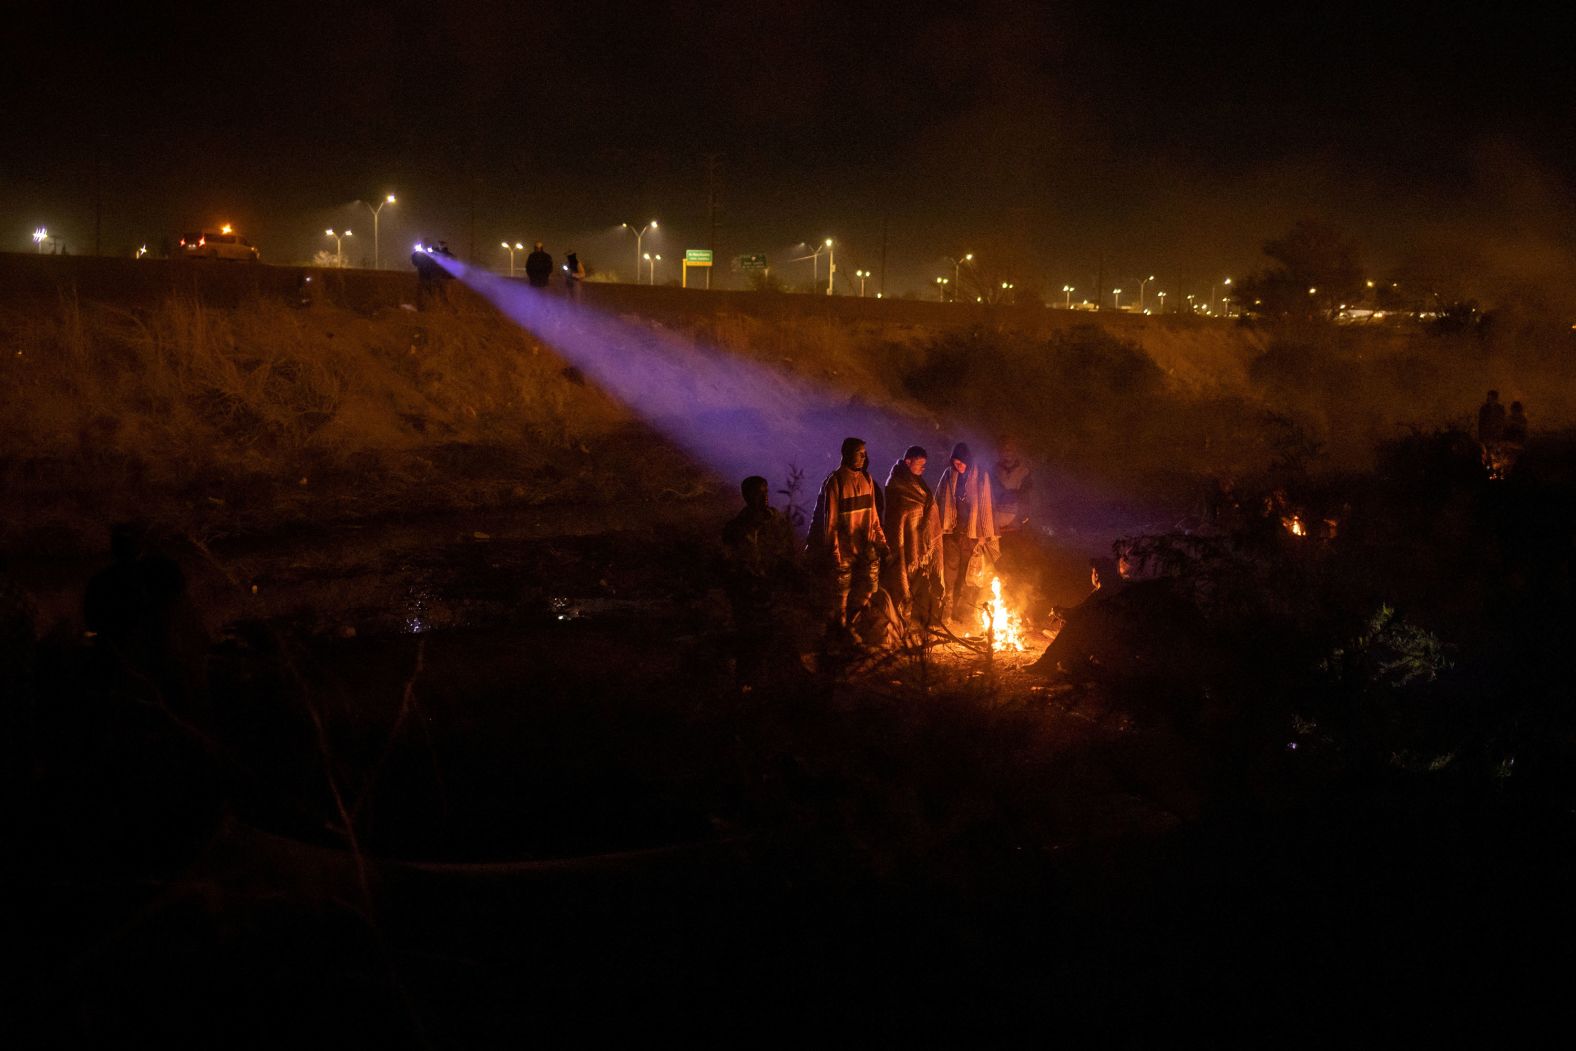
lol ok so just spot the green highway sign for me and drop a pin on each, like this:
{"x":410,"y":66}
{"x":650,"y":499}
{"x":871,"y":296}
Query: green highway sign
{"x":697,"y":256}
{"x":752,"y":262}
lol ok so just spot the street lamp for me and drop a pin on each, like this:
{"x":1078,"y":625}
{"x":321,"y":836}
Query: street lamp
{"x":39,"y":237}
{"x":941,"y":289}
{"x":141,"y":252}
{"x":1068,"y":290}
{"x":815,"y":260}
{"x":511,"y":249}
{"x":1162,"y":296}
{"x":377,"y":263}
{"x":652,"y":261}
{"x":1141,"y":285}
{"x":339,"y":246}
{"x":1215,"y":288}
{"x":831,"y":265}
{"x":1116,"y":298}
{"x":638,"y":235}
{"x":862,"y":275}
{"x":957,"y":270}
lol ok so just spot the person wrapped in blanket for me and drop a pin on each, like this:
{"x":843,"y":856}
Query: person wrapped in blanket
{"x":970,"y":541}
{"x":912,"y":524}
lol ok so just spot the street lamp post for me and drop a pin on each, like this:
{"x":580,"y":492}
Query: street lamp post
{"x":1141,"y":285}
{"x":339,"y":246}
{"x":941,"y":289}
{"x":831,"y":265}
{"x":1116,"y":298}
{"x":639,"y":234}
{"x":511,"y":249}
{"x":863,"y":275}
{"x":389,"y":199}
{"x":957,"y":272}
{"x":39,"y":237}
{"x":1068,"y":291}
{"x":652,"y":261}
{"x":815,"y":263}
{"x":1162,"y":296}
{"x":1214,"y":289}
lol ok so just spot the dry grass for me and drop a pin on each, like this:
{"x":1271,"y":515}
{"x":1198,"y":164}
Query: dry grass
{"x":228,"y":407}
{"x":178,"y":395}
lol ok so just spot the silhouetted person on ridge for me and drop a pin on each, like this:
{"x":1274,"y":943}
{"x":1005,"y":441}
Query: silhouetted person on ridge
{"x":1491,"y":420}
{"x":574,"y":274}
{"x":538,"y":267}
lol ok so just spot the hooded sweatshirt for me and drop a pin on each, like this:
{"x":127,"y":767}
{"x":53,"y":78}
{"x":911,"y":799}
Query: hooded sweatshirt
{"x":845,"y":520}
{"x":974,"y":515}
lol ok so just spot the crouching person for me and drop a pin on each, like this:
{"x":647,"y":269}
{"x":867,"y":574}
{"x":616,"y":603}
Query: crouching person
{"x":758,"y":555}
{"x":846,"y":542}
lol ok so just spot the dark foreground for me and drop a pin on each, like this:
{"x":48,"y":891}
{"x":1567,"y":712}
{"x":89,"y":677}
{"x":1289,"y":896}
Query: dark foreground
{"x":531,"y":801}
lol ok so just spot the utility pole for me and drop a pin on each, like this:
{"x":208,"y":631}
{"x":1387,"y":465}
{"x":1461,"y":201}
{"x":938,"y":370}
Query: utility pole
{"x":711,"y":210}
{"x":883,"y":255}
{"x":475,"y":181}
{"x":98,"y":194}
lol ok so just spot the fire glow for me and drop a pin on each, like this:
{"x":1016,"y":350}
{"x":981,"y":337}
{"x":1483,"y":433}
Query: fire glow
{"x":1294,"y":526}
{"x":1002,"y":627}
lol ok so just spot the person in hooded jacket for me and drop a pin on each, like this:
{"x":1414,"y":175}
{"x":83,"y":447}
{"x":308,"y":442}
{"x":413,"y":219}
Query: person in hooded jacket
{"x":970,"y":542}
{"x":912,"y":575}
{"x":846,"y":540}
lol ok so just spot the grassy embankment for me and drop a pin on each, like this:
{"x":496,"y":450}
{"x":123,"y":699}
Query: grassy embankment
{"x":261,"y":414}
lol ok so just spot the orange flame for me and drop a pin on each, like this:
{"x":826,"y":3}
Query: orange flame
{"x":999,"y":623}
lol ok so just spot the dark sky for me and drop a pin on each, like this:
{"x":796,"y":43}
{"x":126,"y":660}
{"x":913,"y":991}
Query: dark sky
{"x":1045,"y":137}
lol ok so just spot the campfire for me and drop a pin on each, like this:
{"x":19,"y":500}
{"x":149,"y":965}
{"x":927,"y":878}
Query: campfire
{"x":1001,"y":626}
{"x":1294,"y":526}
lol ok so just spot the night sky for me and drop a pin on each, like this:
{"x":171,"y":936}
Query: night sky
{"x":1055,"y":140}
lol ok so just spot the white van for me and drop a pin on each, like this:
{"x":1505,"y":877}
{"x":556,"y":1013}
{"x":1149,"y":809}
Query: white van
{"x":223,"y":243}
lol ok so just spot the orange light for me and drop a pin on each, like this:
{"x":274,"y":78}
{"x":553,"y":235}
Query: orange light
{"x":1002,"y":627}
{"x":225,"y":229}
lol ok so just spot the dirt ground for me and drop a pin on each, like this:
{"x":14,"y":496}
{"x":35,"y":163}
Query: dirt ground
{"x":470,"y":761}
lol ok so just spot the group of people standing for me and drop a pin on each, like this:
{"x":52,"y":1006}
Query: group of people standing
{"x":539,"y":269}
{"x":1502,"y":436}
{"x":903,"y":555}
